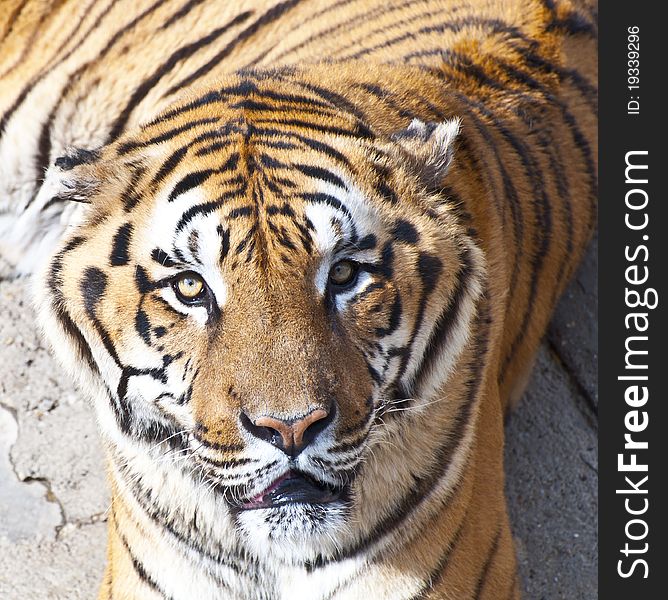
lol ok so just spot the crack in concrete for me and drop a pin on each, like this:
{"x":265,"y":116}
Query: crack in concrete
{"x":97,"y":517}
{"x":586,"y":462}
{"x":49,"y":495}
{"x":12,"y":411}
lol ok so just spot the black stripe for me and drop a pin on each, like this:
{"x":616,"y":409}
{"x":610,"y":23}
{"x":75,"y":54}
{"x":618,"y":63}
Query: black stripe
{"x":207,"y":208}
{"x":314,"y":144}
{"x":429,"y":267}
{"x":218,"y":447}
{"x":252,"y":105}
{"x":169,"y":165}
{"x":367,"y":33}
{"x":43,"y":158}
{"x":445,"y":322}
{"x":53,"y":66}
{"x":322,"y":174}
{"x":432,"y":579}
{"x":120,"y":246}
{"x":225,"y":242}
{"x":75,"y":157}
{"x":443,"y":456}
{"x":132,"y":194}
{"x":143,"y":326}
{"x":510,"y":194}
{"x":60,"y":198}
{"x":555,"y":166}
{"x":491,"y":26}
{"x":405,"y":232}
{"x":92,"y":287}
{"x":188,"y":533}
{"x":588,"y":91}
{"x":229,"y":463}
{"x":287,"y":100}
{"x":570,"y":120}
{"x":573,"y":24}
{"x":45,"y":142}
{"x":358,"y":131}
{"x":542,"y":238}
{"x":337,"y":100}
{"x":162,"y":258}
{"x":144,"y":283}
{"x":126,"y":147}
{"x":549,"y":149}
{"x":190,"y":181}
{"x":387,"y":97}
{"x":394,"y":319}
{"x":360,"y":20}
{"x":182,"y":12}
{"x":267,"y":18}
{"x":535,"y":62}
{"x":211,"y":97}
{"x":58,"y":305}
{"x":138,"y":567}
{"x":542,"y":212}
{"x":211,"y":148}
{"x":16,"y":13}
{"x":438,"y":572}
{"x":247,"y":210}
{"x":328,"y":199}
{"x":329,"y":7}
{"x":482,"y":578}
{"x":176,"y":57}
{"x":28,"y":42}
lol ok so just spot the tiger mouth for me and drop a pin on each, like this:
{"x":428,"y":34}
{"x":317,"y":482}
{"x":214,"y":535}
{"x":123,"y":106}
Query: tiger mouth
{"x":294,"y":487}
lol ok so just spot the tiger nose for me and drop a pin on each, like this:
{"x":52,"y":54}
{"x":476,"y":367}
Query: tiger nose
{"x":289,"y":435}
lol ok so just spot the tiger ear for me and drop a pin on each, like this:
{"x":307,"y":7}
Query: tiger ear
{"x":68,"y":186}
{"x":72,"y":177}
{"x":429,"y":147}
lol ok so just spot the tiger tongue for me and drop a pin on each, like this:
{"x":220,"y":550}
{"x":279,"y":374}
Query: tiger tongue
{"x":260,"y":498}
{"x":292,"y":487}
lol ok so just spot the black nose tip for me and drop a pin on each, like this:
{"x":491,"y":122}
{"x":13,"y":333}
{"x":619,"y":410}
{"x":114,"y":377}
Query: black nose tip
{"x":290,"y":435}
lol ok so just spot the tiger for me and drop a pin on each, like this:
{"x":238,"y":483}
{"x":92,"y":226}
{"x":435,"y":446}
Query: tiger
{"x":299,"y":255}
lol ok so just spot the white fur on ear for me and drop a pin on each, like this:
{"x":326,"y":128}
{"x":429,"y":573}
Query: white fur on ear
{"x":59,"y":204}
{"x":430,"y":146}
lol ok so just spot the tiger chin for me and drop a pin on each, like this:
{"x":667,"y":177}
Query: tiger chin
{"x":300,"y":262}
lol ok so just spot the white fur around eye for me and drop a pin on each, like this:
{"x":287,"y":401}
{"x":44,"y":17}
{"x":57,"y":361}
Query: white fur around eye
{"x":322,"y":276}
{"x":198,"y":313}
{"x":342,"y":299}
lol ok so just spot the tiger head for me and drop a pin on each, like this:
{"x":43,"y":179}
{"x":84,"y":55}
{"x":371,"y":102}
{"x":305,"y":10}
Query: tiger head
{"x":269,"y":307}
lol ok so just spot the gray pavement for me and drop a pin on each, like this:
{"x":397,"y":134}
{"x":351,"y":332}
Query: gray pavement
{"x":551,"y":452}
{"x":53,"y":497}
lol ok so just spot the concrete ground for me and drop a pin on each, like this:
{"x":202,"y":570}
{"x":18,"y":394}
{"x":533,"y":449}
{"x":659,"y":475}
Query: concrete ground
{"x":53,"y":496}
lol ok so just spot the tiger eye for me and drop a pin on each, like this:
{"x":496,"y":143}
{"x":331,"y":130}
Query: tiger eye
{"x":189,"y":287}
{"x":343,"y":272}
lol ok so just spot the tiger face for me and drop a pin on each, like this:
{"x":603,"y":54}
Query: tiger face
{"x":254,"y":315}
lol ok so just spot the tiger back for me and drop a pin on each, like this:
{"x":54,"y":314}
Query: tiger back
{"x":300,"y":256}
